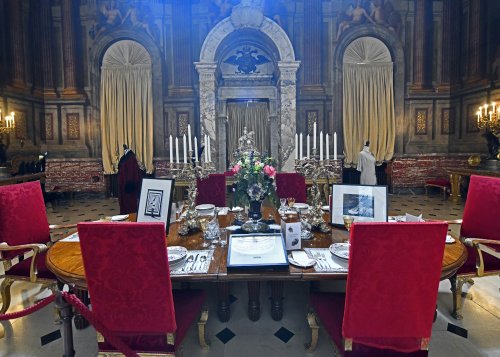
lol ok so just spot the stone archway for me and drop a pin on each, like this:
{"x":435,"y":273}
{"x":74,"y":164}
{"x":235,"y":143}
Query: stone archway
{"x":249,"y":16}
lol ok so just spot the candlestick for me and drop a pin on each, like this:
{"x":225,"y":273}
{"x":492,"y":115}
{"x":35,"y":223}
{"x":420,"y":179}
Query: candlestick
{"x":296,"y":146}
{"x":321,"y":145}
{"x":185,"y":148}
{"x":314,"y":136}
{"x":308,"y":144}
{"x":209,"y":149}
{"x":335,"y":146}
{"x":206,"y":148}
{"x":301,"y":156}
{"x":195,"y":149}
{"x":177,"y":150}
{"x":171,"y":146}
{"x":327,"y":147}
{"x":189,"y":137}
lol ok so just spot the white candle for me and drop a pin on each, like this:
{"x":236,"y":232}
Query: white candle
{"x":327,"y":147}
{"x":185,"y":148}
{"x":314,"y":136}
{"x":308,"y":145}
{"x":301,"y":147}
{"x":209,"y":150}
{"x":296,"y":146}
{"x":171,"y":146}
{"x":206,"y":148}
{"x":335,"y":146}
{"x":321,"y":145}
{"x":189,"y":137}
{"x":195,"y":149}
{"x":177,"y":150}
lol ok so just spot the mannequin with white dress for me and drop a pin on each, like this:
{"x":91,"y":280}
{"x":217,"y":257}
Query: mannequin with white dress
{"x":366,"y":165}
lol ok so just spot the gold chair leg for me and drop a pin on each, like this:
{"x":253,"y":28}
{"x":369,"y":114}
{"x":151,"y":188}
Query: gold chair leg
{"x":2,"y":332}
{"x":456,"y":289}
{"x":311,"y":321}
{"x":5,"y":292}
{"x":201,"y":330}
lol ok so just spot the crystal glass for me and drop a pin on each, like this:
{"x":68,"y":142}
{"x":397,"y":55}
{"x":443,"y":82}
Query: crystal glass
{"x":212,"y":233}
{"x":282,"y":204}
{"x":204,"y":227}
{"x":223,"y":237}
{"x":179,"y":206}
{"x":348,"y":220}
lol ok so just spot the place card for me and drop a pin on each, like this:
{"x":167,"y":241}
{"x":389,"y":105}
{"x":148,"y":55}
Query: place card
{"x":291,"y":232}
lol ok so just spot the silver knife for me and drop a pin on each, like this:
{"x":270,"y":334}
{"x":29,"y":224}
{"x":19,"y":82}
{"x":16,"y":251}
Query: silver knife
{"x":195,"y":259}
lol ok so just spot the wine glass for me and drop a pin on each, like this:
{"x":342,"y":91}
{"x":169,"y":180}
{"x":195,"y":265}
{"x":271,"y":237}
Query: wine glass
{"x":179,"y":207}
{"x":348,"y":220}
{"x":282,"y":204}
{"x":204,"y":225}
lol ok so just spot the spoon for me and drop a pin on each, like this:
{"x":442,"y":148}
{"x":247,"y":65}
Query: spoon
{"x":188,"y":260}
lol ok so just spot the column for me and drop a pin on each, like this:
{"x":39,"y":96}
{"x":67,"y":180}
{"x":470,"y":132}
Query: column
{"x":313,"y":20}
{"x":422,"y":53}
{"x":288,"y":112}
{"x":16,"y":44}
{"x":476,"y":43}
{"x":450,"y":70}
{"x":70,"y":61}
{"x":181,"y":39}
{"x":207,"y":104}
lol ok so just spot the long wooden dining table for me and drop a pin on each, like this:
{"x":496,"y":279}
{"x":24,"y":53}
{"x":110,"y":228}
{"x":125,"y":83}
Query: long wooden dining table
{"x":64,"y":259}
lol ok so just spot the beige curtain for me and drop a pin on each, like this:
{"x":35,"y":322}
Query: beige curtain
{"x":126,"y":105}
{"x":253,"y":115}
{"x":368,"y":100}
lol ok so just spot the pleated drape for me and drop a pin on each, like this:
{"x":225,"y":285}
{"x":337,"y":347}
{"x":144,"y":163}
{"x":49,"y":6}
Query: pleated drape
{"x":368,"y":100}
{"x":126,"y":105}
{"x":253,"y":115}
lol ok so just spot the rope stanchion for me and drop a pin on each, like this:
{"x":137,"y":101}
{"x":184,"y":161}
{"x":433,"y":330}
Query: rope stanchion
{"x":39,"y":305}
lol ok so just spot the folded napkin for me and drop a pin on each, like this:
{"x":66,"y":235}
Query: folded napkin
{"x":197,"y":262}
{"x":300,"y":257}
{"x":326,"y":262}
{"x":71,"y":238}
{"x":412,"y":218}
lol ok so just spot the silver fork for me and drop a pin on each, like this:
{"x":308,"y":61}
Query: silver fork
{"x":317,"y":256}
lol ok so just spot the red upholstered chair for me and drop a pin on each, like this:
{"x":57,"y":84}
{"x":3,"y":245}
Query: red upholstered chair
{"x":212,"y":190}
{"x":480,"y":231}
{"x":291,"y":184}
{"x":126,"y":267}
{"x":443,"y":184}
{"x":24,"y":237}
{"x":392,"y":286}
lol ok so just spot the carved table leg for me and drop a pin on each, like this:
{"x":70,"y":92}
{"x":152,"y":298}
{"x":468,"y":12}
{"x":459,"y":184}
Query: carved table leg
{"x":277,"y":300}
{"x":253,"y":300}
{"x":223,"y":309}
{"x":66,"y":313}
{"x":456,"y":289}
{"x":455,"y":188}
{"x":80,"y":322}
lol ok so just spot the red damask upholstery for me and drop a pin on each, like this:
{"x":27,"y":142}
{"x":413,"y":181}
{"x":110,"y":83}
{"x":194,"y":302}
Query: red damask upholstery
{"x":212,"y":190}
{"x":126,"y":267}
{"x":392,"y":285}
{"x":291,"y":184}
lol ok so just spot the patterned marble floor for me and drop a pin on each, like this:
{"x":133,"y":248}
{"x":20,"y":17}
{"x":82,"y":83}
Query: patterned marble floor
{"x":476,"y":335}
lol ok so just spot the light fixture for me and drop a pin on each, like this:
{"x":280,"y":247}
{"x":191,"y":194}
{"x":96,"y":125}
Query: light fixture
{"x":488,"y":117}
{"x":7,"y":123}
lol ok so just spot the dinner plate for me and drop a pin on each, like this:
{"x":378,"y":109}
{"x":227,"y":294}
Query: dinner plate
{"x":205,"y":207}
{"x":325,"y":208}
{"x":120,"y":217}
{"x":309,"y":263}
{"x":449,"y":239}
{"x":301,"y":206}
{"x":340,"y":250}
{"x":176,"y":254}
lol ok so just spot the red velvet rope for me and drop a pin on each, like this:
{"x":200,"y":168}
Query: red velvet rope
{"x":29,"y":310}
{"x":108,"y":335}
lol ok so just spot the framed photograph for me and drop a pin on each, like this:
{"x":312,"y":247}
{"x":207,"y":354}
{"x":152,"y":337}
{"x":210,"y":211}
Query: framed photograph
{"x":257,"y":251}
{"x":156,"y":201}
{"x":362,"y":202}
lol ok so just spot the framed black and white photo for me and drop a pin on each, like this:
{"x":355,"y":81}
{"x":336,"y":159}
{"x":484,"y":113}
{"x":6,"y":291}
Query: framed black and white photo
{"x":362,"y":202}
{"x":156,"y":201}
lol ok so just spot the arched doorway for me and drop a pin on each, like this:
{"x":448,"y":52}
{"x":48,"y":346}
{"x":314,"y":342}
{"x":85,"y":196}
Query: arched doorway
{"x":260,"y":34}
{"x":126,"y":102}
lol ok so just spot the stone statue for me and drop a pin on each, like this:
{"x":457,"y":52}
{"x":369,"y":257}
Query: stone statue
{"x":108,"y":16}
{"x":353,"y":16}
{"x":141,"y":17}
{"x":246,"y":143}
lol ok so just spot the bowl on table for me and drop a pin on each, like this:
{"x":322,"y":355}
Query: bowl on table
{"x":205,"y":209}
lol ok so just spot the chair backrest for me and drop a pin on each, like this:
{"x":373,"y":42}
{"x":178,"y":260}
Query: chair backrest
{"x":392,"y":284}
{"x":23,"y":218}
{"x":127,"y":272}
{"x":480,"y":219}
{"x":291,"y":184}
{"x":212,"y":190}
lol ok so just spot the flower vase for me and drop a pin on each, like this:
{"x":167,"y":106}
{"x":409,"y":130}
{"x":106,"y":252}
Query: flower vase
{"x":254,"y":212}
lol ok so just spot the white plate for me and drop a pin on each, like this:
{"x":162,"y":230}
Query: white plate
{"x":340,"y":250}
{"x":176,"y":254}
{"x":233,"y":228}
{"x":449,"y":239}
{"x":275,"y":227}
{"x":309,"y":264}
{"x":120,"y":217}
{"x":325,"y":208}
{"x":205,"y":207}
{"x":237,"y":209}
{"x":301,"y":206}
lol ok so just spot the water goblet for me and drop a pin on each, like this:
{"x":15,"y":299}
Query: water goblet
{"x":282,"y":205}
{"x":213,"y":233}
{"x":179,"y":207}
{"x":223,"y":237}
{"x":204,"y":227}
{"x":348,"y":220}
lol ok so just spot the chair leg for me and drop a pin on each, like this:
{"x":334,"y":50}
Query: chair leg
{"x":201,"y":329}
{"x":311,"y":320}
{"x":456,"y":289}
{"x":5,"y":292}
